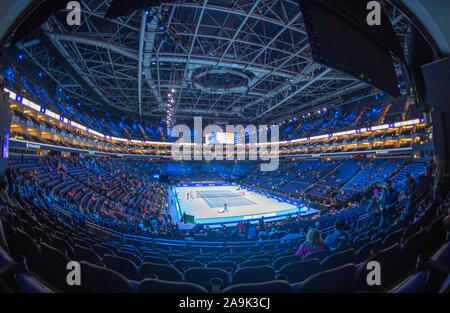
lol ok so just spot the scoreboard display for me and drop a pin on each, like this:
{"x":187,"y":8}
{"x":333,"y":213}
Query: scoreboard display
{"x":220,"y":138}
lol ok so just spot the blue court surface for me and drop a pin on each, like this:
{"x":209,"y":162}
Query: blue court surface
{"x":217,"y":198}
{"x":206,"y":204}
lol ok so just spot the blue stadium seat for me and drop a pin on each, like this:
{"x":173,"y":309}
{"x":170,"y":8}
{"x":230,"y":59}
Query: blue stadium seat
{"x":337,"y":280}
{"x":299,"y":271}
{"x":253,"y":274}
{"x":123,"y":266}
{"x":274,"y":286}
{"x":99,"y":279}
{"x":162,"y":286}
{"x":162,"y":271}
{"x":202,"y":276}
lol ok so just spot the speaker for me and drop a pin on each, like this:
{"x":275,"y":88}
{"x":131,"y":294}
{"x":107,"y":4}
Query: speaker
{"x":437,"y":80}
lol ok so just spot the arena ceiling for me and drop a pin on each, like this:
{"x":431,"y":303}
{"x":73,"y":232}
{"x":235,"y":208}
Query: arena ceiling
{"x":230,"y":61}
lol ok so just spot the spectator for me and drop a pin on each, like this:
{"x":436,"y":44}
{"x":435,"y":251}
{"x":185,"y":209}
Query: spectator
{"x":388,"y":200}
{"x":339,"y":236}
{"x":410,"y":194}
{"x":438,"y":177}
{"x":251,"y":232}
{"x":313,"y":243}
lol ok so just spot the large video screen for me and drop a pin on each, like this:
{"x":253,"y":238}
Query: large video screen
{"x":337,"y":43}
{"x":219,"y":138}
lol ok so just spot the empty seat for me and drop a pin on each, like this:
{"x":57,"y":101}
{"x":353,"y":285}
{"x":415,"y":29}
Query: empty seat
{"x":337,"y":259}
{"x":283,"y":260}
{"x":62,"y":245}
{"x":102,"y":250}
{"x":173,"y":257}
{"x":410,"y":250}
{"x":257,"y":262}
{"x":202,"y":276}
{"x":299,"y":271}
{"x":317,"y":255}
{"x":154,"y":259}
{"x":28,"y":247}
{"x":359,"y":243}
{"x":392,"y":238}
{"x":337,"y":280}
{"x":163,"y":286}
{"x":123,"y":266}
{"x":225,"y":265}
{"x":29,"y":284}
{"x":363,"y":253}
{"x":85,"y":254}
{"x":253,"y":274}
{"x":205,"y":259}
{"x":181,"y":265}
{"x":162,"y":271}
{"x":99,"y":279}
{"x":130,"y":256}
{"x":274,"y":286}
{"x":389,"y":260}
{"x":55,"y":263}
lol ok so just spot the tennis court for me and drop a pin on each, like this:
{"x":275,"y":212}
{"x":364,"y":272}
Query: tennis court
{"x":207,"y":202}
{"x":217,"y":198}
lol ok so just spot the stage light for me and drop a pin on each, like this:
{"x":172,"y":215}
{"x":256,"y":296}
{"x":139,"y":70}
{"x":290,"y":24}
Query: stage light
{"x":40,"y":74}
{"x":20,"y":56}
